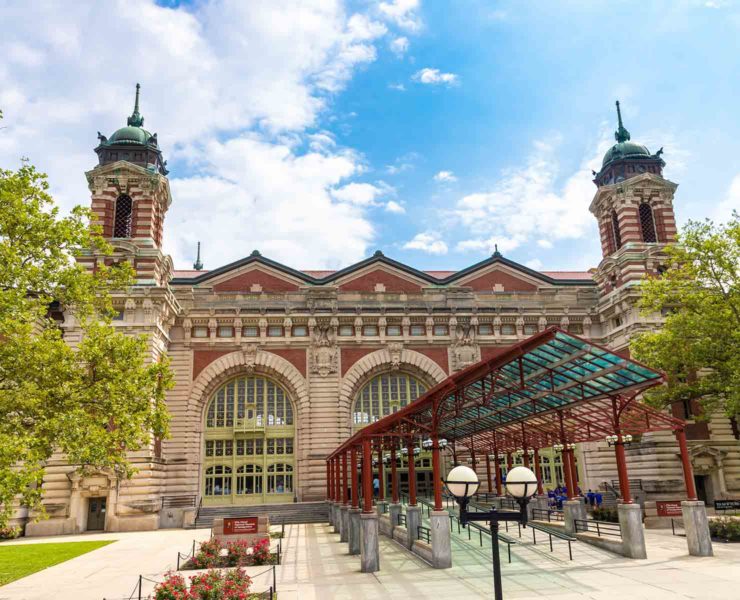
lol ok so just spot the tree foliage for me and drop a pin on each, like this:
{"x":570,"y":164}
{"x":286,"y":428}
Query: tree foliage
{"x":699,"y":344}
{"x":93,"y":401}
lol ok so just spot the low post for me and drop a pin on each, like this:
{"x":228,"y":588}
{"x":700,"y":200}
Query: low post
{"x":574,"y":510}
{"x":344,"y":523}
{"x":439,"y":524}
{"x":413,"y":520}
{"x":633,"y":534}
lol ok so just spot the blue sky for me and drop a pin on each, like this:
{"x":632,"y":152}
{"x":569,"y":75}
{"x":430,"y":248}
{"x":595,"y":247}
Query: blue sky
{"x":319,"y":132}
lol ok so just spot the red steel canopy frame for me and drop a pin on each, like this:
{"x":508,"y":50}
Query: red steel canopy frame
{"x":552,"y":388}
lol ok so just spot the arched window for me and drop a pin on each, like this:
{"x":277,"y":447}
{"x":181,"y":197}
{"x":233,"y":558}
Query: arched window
{"x":249,"y":479}
{"x":279,"y":478}
{"x":615,"y":231}
{"x":249,"y":422}
{"x":383,"y":395}
{"x":218,"y":480}
{"x":124,"y":217}
{"x":647,"y":223}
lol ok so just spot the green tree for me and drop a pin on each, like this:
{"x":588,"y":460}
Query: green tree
{"x":699,"y":344}
{"x":94,"y":401}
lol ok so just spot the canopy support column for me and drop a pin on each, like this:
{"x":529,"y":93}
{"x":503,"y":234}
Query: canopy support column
{"x":367,"y":477}
{"x":344,"y":509}
{"x":369,"y":545}
{"x":436,"y":473}
{"x":688,"y":472}
{"x":354,"y":512}
{"x":412,"y":473}
{"x":488,"y":473}
{"x":381,"y":477}
{"x":538,"y":471}
{"x":394,"y":477}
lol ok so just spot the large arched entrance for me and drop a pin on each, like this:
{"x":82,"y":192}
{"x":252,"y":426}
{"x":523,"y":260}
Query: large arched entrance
{"x":249,"y":449}
{"x":383,"y":395}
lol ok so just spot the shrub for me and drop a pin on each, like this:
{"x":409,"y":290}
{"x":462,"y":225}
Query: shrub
{"x":209,"y":554}
{"x":216,"y":585}
{"x":172,"y":588}
{"x":9,"y":533}
{"x":725,"y":528}
{"x":238,"y":553}
{"x":261,"y":552}
{"x":606,"y":514}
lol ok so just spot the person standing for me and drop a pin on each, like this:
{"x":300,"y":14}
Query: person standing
{"x":376,"y":487}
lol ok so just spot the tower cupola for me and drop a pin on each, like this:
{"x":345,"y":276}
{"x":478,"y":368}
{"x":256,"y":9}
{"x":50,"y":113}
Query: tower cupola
{"x":133,"y":144}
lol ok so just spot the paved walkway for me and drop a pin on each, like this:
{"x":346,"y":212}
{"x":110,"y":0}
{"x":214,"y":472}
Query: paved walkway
{"x":316,"y":566}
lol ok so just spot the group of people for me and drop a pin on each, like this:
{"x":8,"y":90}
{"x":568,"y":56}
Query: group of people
{"x":560,"y":494}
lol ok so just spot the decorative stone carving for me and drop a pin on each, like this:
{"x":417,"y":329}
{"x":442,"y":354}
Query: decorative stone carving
{"x":148,"y":307}
{"x":497,"y":326}
{"x":250,"y":357}
{"x":395,"y":349}
{"x":519,"y":324}
{"x":323,"y":355}
{"x":129,"y":314}
{"x":430,"y":327}
{"x":587,"y":326}
{"x":542,"y":323}
{"x":465,"y":351}
{"x":262,"y":324}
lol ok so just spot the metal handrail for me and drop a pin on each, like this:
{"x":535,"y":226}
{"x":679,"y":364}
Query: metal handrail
{"x":602,"y":527}
{"x":424,"y":533}
{"x":542,"y":514}
{"x":402,"y":519}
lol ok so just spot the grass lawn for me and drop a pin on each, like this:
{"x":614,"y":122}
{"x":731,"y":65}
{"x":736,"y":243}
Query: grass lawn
{"x":20,"y":560}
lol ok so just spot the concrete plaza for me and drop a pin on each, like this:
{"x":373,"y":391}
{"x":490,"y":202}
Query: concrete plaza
{"x":316,"y":566}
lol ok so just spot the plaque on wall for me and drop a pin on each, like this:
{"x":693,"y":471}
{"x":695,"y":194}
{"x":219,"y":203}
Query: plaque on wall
{"x":727,"y":505}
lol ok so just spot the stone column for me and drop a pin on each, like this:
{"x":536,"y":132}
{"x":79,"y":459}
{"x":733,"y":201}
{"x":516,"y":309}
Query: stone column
{"x":344,"y":523}
{"x":633,"y":535}
{"x":380,"y":507}
{"x":336,"y":521}
{"x":332,"y":520}
{"x":369,"y":548}
{"x":441,"y":545}
{"x":572,"y":510}
{"x":697,"y":528}
{"x":394,"y":510}
{"x":413,"y":520}
{"x":354,"y":530}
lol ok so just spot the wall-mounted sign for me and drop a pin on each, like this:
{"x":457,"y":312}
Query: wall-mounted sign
{"x":240,"y":525}
{"x":727,"y":505}
{"x":669,"y":508}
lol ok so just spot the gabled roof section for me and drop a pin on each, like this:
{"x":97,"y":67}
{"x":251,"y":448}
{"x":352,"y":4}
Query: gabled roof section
{"x":433,"y":278}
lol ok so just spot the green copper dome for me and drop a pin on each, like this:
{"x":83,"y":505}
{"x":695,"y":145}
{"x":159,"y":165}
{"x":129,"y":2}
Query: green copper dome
{"x":130,"y":135}
{"x":624,"y":148}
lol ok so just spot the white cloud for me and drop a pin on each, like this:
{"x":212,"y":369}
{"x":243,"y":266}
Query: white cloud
{"x":535,"y":264}
{"x":399,"y":46}
{"x":402,"y":13}
{"x":731,"y":202}
{"x":528,"y":204}
{"x":209,"y":73}
{"x":445,"y":177}
{"x":394,"y":207}
{"x":397,"y":86}
{"x":434,"y":77}
{"x":360,"y":194}
{"x":427,"y":242}
{"x":402,"y":163}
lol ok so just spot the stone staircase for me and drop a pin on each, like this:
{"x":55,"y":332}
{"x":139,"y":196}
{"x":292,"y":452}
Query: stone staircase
{"x":297,"y":512}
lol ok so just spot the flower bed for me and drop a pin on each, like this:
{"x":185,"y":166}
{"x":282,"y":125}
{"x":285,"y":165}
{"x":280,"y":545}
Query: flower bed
{"x":212,"y":554}
{"x":211,"y":585}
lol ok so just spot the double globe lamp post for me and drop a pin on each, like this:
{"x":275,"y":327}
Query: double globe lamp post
{"x":521,"y":484}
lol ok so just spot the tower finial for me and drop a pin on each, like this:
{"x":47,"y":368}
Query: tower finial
{"x":621,"y":134}
{"x":496,"y":253}
{"x":198,"y":265}
{"x":136,"y":120}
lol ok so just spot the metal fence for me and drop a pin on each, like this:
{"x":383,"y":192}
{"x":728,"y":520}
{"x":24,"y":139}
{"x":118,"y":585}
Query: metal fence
{"x":602,"y":528}
{"x":424,"y":533}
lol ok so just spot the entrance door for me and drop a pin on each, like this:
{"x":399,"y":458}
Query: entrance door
{"x":96,"y":514}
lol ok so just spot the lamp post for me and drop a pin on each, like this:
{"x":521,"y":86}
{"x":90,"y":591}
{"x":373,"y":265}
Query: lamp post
{"x":521,"y":483}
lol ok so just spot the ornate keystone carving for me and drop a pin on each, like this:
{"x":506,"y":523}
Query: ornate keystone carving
{"x":323,"y":355}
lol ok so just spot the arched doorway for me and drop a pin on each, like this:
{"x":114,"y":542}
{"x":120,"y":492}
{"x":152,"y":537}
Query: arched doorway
{"x":249,"y":450}
{"x":380,"y":396}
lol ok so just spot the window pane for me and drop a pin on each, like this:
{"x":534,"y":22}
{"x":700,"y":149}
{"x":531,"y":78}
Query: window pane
{"x":275,"y":331}
{"x":250,"y":331}
{"x":300,"y":331}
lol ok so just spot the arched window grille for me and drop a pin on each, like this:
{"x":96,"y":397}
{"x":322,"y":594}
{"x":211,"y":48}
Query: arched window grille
{"x":647,"y":223}
{"x":249,"y":479}
{"x":218,"y":480}
{"x":279,"y":478}
{"x":615,"y":231}
{"x":383,"y":395}
{"x":249,"y":400}
{"x":124,"y":217}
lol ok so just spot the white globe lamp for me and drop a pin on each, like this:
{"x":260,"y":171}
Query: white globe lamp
{"x":462,"y":482}
{"x":521,"y":483}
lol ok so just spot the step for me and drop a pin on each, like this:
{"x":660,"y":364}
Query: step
{"x":299,"y":512}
